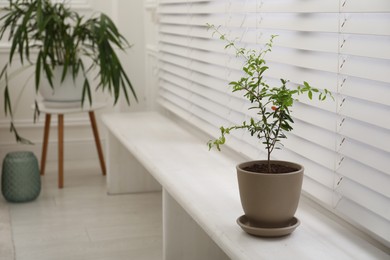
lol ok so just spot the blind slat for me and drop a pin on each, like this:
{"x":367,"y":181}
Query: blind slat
{"x":367,"y":220}
{"x":365,"y":111}
{"x":379,"y":46}
{"x":357,"y":130}
{"x":368,"y":90}
{"x":366,"y":68}
{"x":366,"y":23}
{"x":365,"y":175}
{"x":365,"y":154}
{"x":364,"y":197}
{"x":366,"y":6}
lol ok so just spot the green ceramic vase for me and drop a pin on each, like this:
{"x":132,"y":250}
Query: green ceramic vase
{"x":20,"y":179}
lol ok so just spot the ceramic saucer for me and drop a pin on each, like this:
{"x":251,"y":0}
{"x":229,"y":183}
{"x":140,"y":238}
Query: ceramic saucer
{"x":260,"y":231}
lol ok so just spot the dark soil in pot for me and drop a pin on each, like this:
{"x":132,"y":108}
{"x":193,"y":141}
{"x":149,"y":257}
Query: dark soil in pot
{"x":275,"y":168}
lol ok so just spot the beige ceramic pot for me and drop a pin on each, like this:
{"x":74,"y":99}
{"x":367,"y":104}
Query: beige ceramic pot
{"x":270,"y":200}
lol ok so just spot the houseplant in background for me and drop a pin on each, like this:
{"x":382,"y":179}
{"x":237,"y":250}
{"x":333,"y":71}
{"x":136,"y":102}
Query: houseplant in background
{"x":62,"y":48}
{"x":269,"y":189}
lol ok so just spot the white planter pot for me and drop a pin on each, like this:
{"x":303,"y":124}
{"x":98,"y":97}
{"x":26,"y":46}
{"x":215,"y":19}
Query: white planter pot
{"x":68,"y":91}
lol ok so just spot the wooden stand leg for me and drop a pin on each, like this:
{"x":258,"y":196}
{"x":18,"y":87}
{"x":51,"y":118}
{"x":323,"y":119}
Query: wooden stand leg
{"x":97,"y":141}
{"x":45,"y":143}
{"x":60,"y":151}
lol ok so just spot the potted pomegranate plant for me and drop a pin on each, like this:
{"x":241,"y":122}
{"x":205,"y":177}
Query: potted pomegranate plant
{"x":269,"y":189}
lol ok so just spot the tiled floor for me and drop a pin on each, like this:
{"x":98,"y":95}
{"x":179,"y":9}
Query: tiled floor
{"x":82,"y":222}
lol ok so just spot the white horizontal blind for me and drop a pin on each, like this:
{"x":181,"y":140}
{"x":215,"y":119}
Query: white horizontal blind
{"x":341,"y":45}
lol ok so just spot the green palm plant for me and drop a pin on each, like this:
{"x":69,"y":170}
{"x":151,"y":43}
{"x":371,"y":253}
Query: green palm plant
{"x":45,"y":35}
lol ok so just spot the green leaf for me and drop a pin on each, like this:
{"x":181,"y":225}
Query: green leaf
{"x":229,"y":45}
{"x":86,"y":92}
{"x":36,"y":111}
{"x":38,"y":71}
{"x":7,"y":102}
{"x":310,"y":94}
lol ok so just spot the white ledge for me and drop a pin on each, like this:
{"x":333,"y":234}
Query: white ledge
{"x":204,"y":184}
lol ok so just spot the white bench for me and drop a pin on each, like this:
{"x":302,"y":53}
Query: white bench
{"x":147,"y":151}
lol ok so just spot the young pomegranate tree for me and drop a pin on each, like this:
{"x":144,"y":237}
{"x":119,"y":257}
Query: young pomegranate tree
{"x":271,"y":103}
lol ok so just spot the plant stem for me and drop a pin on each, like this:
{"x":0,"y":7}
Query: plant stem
{"x":269,"y":159}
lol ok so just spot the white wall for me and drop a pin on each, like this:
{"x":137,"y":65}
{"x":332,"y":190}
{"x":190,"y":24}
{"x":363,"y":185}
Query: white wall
{"x":79,"y":143}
